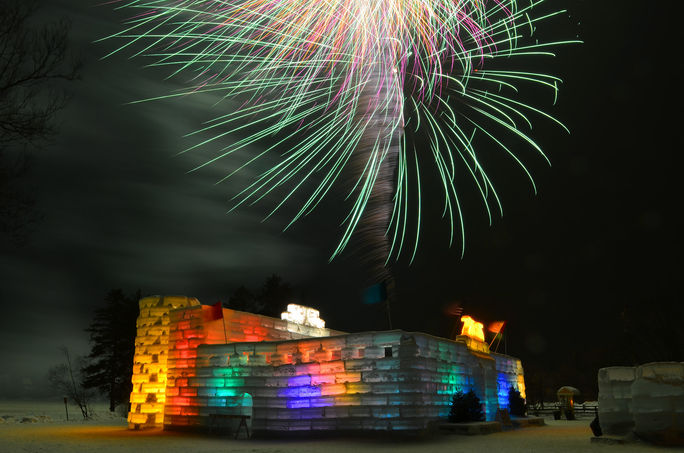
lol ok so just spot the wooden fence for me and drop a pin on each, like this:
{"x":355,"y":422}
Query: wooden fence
{"x":580,"y":410}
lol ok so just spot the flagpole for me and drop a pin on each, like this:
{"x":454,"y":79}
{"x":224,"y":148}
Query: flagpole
{"x":223,"y":318}
{"x":389,"y":286}
{"x":497,"y":344}
{"x":215,"y":312}
{"x":497,"y":335}
{"x":505,"y":346}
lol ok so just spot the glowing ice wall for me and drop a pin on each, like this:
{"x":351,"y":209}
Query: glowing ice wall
{"x":190,"y":365}
{"x":193,"y":327}
{"x":509,"y":373}
{"x":374,"y":380}
{"x":149,"y":363}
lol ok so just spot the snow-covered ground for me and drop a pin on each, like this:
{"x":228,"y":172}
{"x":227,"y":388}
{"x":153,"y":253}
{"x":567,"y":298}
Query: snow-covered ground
{"x":52,"y":411}
{"x":45,"y":429}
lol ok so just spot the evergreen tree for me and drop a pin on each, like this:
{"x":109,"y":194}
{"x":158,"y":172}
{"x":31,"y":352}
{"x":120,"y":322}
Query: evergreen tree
{"x":242,"y":299}
{"x":516,"y":403}
{"x":112,"y":338}
{"x":274,"y":296}
{"x":271,"y":300}
{"x":465,"y":407}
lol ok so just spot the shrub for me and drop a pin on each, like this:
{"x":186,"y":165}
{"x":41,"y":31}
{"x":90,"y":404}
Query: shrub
{"x":516,"y":403}
{"x":465,"y":407}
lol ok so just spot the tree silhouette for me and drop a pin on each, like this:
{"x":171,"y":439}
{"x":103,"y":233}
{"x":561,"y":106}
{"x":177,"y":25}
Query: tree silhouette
{"x":516,"y":403}
{"x":465,"y":407}
{"x":271,"y":300}
{"x":112,"y":335}
{"x":654,"y":334}
{"x":33,"y":59}
{"x":274,"y":296}
{"x":67,"y":378}
{"x":243,"y":299}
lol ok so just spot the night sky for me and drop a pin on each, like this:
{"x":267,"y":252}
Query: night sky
{"x":120,"y":210}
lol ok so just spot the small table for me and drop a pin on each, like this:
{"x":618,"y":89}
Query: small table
{"x":214,"y":418}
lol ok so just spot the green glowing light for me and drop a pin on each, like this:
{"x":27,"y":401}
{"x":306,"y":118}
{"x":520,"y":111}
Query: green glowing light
{"x":326,"y":83}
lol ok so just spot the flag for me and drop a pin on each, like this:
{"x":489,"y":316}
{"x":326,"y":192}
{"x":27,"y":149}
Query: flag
{"x":374,"y":294}
{"x":455,"y":309}
{"x":496,"y":326}
{"x":215,"y":312}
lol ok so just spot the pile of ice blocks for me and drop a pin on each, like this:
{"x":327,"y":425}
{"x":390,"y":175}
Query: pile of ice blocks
{"x":647,"y":399}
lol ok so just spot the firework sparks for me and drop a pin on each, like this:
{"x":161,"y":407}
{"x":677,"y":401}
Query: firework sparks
{"x":334,"y":84}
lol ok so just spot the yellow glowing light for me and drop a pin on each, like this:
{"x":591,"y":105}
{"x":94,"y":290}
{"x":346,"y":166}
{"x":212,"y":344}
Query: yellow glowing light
{"x":300,"y":314}
{"x":149,"y":363}
{"x":472,"y":328}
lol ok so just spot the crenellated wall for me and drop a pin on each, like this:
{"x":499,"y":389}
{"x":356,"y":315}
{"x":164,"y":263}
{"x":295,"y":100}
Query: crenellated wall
{"x":195,"y":326}
{"x":509,"y":373}
{"x":368,"y":381}
{"x":193,"y":361}
{"x":150,"y":361}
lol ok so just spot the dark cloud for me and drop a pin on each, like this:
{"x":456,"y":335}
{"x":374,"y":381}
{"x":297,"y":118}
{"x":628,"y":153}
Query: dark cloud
{"x":120,"y":210}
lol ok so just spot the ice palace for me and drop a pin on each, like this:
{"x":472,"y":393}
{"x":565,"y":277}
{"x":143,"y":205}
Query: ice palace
{"x":195,"y":362}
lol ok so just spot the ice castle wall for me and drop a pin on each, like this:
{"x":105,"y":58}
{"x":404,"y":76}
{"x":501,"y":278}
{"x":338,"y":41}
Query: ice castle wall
{"x":150,"y":359}
{"x":367,"y":381}
{"x":189,"y":366}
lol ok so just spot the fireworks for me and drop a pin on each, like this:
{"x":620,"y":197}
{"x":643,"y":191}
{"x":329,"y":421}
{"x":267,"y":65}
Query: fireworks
{"x":331,"y":86}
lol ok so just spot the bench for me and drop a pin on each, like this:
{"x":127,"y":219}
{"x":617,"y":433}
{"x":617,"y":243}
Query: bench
{"x":214,"y":420}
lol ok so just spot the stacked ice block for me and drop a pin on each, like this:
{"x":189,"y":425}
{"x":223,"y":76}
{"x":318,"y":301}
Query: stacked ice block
{"x":367,"y":381}
{"x":658,"y":402}
{"x":509,"y":374}
{"x":149,"y":363}
{"x":615,"y":399}
{"x":195,"y":326}
{"x":648,"y":399}
{"x":193,"y":363}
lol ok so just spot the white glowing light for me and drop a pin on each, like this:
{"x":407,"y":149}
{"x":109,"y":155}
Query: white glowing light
{"x":299,"y":314}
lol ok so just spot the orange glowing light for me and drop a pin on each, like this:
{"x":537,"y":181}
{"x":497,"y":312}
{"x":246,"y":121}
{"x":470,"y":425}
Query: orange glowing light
{"x":472,"y":328}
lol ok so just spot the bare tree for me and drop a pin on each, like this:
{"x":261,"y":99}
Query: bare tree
{"x":31,"y":59}
{"x":66,"y":377}
{"x":34,"y":58}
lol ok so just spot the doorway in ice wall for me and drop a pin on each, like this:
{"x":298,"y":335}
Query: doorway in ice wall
{"x":246,"y":408}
